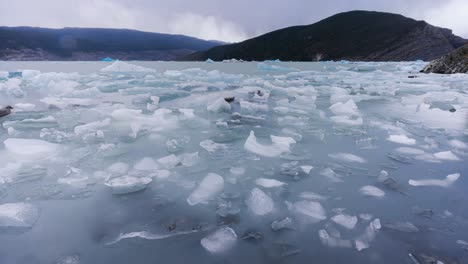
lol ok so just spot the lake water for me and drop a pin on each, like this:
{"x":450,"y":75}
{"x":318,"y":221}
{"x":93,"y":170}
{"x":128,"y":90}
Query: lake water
{"x":271,"y":162}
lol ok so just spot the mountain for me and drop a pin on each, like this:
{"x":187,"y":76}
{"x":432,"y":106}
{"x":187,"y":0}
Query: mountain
{"x":28,"y":43}
{"x":454,"y":62}
{"x":355,"y":36}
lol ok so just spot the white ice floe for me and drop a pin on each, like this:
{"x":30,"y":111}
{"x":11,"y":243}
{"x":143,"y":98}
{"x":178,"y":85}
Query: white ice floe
{"x":118,"y":169}
{"x":148,"y":236}
{"x":331,"y":175}
{"x":18,"y":216}
{"x":220,"y":105}
{"x":402,"y":139}
{"x":211,"y":146}
{"x":306,"y":169}
{"x":31,"y":148}
{"x":269,"y":183}
{"x":345,"y":109}
{"x":312,"y":196}
{"x":373,"y":191}
{"x":92,"y":127}
{"x":347,"y":120}
{"x":457,"y":144}
{"x":312,"y":210}
{"x":259,"y":202}
{"x":209,"y":187}
{"x":332,"y":241}
{"x":128,"y":184}
{"x":146,"y":164}
{"x":280,"y":145}
{"x":347,"y":157}
{"x":347,"y":221}
{"x":447,"y":182}
{"x":410,"y":151}
{"x":237,"y":171}
{"x":249,"y":107}
{"x":364,"y":240}
{"x":169,"y":162}
{"x":220,"y":240}
{"x":24,"y":107}
{"x":124,"y":67}
{"x":446,"y":155}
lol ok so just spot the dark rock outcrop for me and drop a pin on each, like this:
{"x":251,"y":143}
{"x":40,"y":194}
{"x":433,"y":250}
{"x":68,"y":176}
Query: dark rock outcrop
{"x":354,"y":36}
{"x":454,"y":62}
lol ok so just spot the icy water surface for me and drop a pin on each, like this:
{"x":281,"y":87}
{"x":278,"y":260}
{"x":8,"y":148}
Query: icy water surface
{"x":162,"y":162}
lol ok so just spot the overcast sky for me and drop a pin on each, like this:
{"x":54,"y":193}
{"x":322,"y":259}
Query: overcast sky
{"x":227,"y":20}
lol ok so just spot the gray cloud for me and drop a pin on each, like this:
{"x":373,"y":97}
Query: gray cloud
{"x":217,"y":19}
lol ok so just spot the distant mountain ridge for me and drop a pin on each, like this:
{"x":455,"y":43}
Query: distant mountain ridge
{"x":354,"y":35}
{"x":28,"y":43}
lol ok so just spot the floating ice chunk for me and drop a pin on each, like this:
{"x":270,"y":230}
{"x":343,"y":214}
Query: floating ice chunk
{"x":312,"y":210}
{"x":118,"y":168}
{"x":306,"y":169}
{"x":331,"y":241}
{"x":75,"y":178}
{"x":209,"y":187}
{"x":24,"y":107}
{"x":406,"y":227}
{"x":146,"y":164}
{"x":348,"y":157}
{"x":447,"y":182}
{"x":31,"y":148}
{"x":345,"y":109}
{"x":188,"y":113}
{"x":73,"y":259}
{"x":237,"y":171}
{"x":63,"y":103}
{"x":91,"y":127}
{"x":18,"y":216}
{"x":312,"y":196}
{"x":365,"y":217}
{"x":285,"y":223}
{"x":363,"y":241}
{"x":280,"y":145}
{"x":457,"y":144}
{"x":154,"y":103}
{"x":253,"y":107}
{"x":345,"y":220}
{"x":220,"y":241}
{"x":148,"y":236}
{"x":261,"y":66}
{"x":211,"y":146}
{"x":169,"y":162}
{"x":220,"y":105}
{"x":122,"y":67}
{"x":331,"y":175}
{"x":446,"y":155}
{"x":189,"y":159}
{"x":410,"y":151}
{"x":128,"y":184}
{"x":259,"y":202}
{"x":401,"y":139}
{"x":373,"y":191}
{"x":347,"y":120}
{"x":125,"y":114}
{"x":46,"y":122}
{"x":269,"y":183}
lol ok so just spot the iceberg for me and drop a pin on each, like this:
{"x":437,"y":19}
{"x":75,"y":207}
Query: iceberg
{"x":31,"y":148}
{"x":209,"y":187}
{"x":123,"y":67}
{"x":220,"y":241}
{"x":128,"y":184}
{"x":259,"y":202}
{"x":280,"y":145}
{"x":447,"y":182}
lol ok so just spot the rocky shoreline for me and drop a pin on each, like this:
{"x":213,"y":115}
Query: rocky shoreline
{"x":454,"y":62}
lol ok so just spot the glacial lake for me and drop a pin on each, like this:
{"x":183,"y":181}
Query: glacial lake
{"x":258,"y":162}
